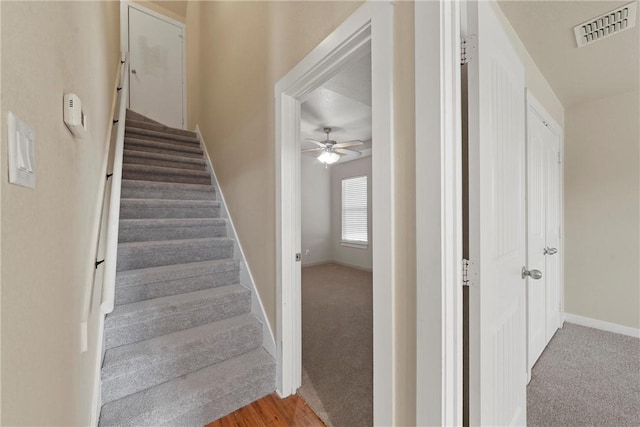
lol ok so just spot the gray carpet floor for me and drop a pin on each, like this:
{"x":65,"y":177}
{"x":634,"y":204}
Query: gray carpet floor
{"x":586,"y":377}
{"x":337,"y":344}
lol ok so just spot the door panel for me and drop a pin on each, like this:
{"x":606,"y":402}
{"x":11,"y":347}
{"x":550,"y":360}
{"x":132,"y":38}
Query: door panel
{"x":497,"y":243}
{"x":537,"y":154}
{"x":156,"y":71}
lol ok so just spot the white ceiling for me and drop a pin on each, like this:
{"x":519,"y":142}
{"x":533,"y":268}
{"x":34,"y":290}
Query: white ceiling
{"x":577,"y":75}
{"x":344,"y":104}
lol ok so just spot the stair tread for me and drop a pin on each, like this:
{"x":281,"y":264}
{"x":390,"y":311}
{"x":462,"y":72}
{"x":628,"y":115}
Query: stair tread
{"x":132,"y":311}
{"x":139,"y":124}
{"x":167,"y":157}
{"x":162,"y":170}
{"x":137,"y":116}
{"x":169,"y":202}
{"x":169,"y":402}
{"x":219,"y":240}
{"x":164,"y":135}
{"x":170,"y":272}
{"x":170,"y":222}
{"x":167,"y":185}
{"x":119,"y":361}
{"x":164,"y":145}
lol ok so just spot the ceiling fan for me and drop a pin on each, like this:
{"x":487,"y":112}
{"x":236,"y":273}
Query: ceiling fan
{"x":329,"y":150}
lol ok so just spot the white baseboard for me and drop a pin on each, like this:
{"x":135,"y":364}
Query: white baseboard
{"x":602,"y":325}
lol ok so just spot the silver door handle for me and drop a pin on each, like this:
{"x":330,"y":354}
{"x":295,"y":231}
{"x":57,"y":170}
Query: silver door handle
{"x":550,"y":251}
{"x":534,"y":274}
{"x":134,"y":71}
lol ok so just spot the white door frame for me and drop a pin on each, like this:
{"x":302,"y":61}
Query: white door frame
{"x":370,"y":25}
{"x":124,"y":45}
{"x":438,"y":214}
{"x":536,"y":106}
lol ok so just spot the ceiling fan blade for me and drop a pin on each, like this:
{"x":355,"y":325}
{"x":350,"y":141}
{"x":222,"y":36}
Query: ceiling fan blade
{"x":310,"y":150}
{"x":315,"y":141}
{"x":347,"y":152}
{"x":348,"y":143}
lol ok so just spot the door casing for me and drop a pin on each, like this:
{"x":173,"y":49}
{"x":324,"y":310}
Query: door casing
{"x":124,"y":44}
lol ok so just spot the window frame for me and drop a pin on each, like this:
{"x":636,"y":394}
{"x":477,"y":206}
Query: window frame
{"x":358,"y":244}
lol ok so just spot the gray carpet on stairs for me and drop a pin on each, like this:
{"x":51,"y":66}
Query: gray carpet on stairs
{"x":586,"y":377}
{"x":182,"y":347}
{"x":337,"y":344}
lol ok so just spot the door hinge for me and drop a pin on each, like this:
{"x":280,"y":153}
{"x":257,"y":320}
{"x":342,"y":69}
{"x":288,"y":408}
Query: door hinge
{"x":298,"y":256}
{"x":469,"y":273}
{"x":559,"y":158}
{"x":467,"y":49}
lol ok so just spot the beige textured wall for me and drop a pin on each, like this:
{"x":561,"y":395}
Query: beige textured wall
{"x":602,"y":198}
{"x":245,"y":48}
{"x":48,"y":49}
{"x":177,"y":8}
{"x":171,"y":9}
{"x":534,"y":79}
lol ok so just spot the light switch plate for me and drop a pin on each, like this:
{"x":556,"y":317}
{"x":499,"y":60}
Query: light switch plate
{"x":22,"y":164}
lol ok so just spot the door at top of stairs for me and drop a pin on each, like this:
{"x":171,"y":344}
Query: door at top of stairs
{"x":156,"y":73}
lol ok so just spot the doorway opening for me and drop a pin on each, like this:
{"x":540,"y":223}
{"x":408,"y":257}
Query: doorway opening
{"x":337,"y":303}
{"x":157,"y":59}
{"x":368,"y":30}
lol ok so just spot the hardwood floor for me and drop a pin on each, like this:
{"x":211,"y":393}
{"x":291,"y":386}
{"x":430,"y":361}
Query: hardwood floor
{"x":272,"y":411}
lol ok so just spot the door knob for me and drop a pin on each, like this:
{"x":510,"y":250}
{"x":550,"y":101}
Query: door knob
{"x":550,"y":251}
{"x":534,"y":274}
{"x":134,"y":71}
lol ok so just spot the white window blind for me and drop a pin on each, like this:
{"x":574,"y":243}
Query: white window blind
{"x":354,"y":209}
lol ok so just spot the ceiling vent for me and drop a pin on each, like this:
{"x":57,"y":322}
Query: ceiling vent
{"x":616,"y":21}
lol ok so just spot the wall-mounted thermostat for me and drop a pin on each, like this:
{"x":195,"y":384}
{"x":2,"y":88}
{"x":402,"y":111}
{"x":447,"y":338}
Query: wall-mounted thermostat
{"x":74,"y":117}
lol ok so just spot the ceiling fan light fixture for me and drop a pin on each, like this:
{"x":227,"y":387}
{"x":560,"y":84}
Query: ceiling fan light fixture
{"x":328,"y":157}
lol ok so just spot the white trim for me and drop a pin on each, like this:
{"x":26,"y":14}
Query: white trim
{"x":353,"y":244}
{"x":602,"y":325}
{"x":368,"y":28}
{"x":246,"y":277}
{"x":438,"y":214}
{"x":124,"y":44}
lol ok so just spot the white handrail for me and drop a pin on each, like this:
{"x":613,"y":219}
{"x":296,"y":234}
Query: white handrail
{"x":113,"y":219}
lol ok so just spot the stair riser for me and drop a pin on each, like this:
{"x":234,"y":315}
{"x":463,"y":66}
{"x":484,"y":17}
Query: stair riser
{"x":165,"y":139}
{"x":170,"y":233}
{"x":170,"y":194}
{"x":175,"y":318}
{"x":228,"y":403}
{"x":136,"y":124}
{"x":169,"y":149}
{"x":138,"y":160}
{"x":197,"y":398}
{"x":160,"y":177}
{"x":156,"y":256}
{"x":145,"y":291}
{"x":183,"y":359}
{"x":153,"y":211}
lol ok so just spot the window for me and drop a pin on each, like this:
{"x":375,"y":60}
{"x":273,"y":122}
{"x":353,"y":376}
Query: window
{"x":354,"y":210}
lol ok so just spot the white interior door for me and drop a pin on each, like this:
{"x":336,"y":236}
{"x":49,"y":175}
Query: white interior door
{"x":537,"y":152}
{"x":156,"y":71}
{"x":497,"y":241}
{"x":543,"y":229}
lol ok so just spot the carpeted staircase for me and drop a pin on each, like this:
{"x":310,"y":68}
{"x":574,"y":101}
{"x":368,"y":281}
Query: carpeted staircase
{"x":182,"y":347}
